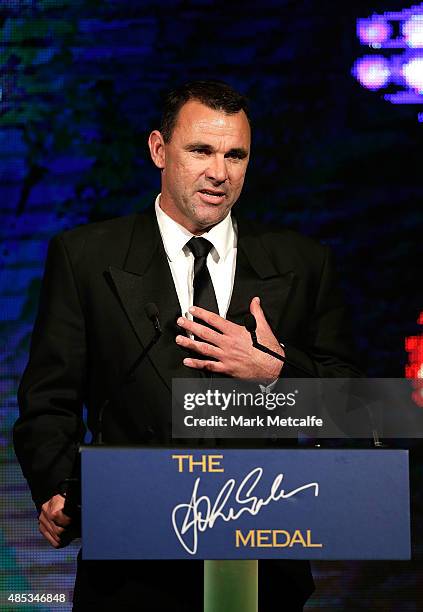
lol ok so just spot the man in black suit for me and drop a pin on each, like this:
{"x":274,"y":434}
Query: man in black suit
{"x":91,"y":326}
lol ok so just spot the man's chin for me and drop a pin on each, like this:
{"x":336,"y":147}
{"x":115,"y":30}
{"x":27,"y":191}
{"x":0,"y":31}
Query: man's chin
{"x":209,"y":219}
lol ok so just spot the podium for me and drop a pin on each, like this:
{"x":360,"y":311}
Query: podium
{"x":228,"y":505}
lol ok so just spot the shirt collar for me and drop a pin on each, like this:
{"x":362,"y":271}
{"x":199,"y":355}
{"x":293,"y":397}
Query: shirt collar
{"x":175,"y":236}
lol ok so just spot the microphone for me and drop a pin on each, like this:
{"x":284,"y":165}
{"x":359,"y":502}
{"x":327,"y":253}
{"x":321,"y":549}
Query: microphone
{"x":71,"y":487}
{"x":152,"y":313}
{"x":250,"y":324}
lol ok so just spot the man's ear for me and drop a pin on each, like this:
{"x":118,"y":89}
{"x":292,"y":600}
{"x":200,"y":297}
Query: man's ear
{"x":157,"y":149}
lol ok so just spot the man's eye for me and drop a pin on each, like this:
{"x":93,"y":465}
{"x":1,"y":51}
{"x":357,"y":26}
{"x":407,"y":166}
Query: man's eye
{"x":203,"y":151}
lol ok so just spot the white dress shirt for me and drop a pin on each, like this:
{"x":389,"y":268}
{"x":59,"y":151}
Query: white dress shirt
{"x":221,"y":261}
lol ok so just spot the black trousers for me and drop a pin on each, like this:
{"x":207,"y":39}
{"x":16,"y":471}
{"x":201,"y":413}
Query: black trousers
{"x":177,"y":586}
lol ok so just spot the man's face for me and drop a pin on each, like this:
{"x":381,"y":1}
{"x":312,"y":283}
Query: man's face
{"x":203,"y":165}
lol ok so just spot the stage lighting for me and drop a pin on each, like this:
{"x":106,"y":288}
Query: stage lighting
{"x":414,"y":368}
{"x":400,"y":69}
{"x":373,"y":31}
{"x":413,"y":74}
{"x":372,"y":71}
{"x":412,"y":30}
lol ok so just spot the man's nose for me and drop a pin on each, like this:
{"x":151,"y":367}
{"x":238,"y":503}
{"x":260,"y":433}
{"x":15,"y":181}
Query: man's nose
{"x":216,"y":170}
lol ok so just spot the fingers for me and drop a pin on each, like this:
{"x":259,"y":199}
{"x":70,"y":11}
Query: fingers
{"x":60,"y":519}
{"x":201,"y":331}
{"x":52,"y":521}
{"x":199,"y":347}
{"x":256,"y":310}
{"x":48,"y":530}
{"x":254,"y":303}
{"x":211,"y":318}
{"x":201,"y":364}
{"x":264,"y":331}
{"x":50,"y":539}
{"x":55,"y":512}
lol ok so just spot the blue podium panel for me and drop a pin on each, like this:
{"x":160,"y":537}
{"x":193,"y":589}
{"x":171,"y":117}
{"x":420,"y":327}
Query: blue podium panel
{"x":244,"y":504}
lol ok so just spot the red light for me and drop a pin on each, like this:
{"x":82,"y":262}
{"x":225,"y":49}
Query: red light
{"x":414,"y":368}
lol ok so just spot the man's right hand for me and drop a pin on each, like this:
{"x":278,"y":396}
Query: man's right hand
{"x":53,"y":523}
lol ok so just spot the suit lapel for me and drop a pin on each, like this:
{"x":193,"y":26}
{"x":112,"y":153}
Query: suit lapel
{"x":256,"y":275}
{"x":146,"y":277}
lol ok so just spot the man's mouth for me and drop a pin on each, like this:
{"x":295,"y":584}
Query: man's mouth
{"x":212,"y":196}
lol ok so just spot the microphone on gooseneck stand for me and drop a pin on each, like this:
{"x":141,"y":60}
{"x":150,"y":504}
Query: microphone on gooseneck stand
{"x":71,"y":487}
{"x":250,"y":324}
{"x":152,"y":313}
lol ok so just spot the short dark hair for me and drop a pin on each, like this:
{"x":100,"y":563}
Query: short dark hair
{"x":214,"y":94}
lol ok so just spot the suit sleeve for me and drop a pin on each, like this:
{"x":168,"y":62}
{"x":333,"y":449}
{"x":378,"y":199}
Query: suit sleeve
{"x":51,"y":393}
{"x":330,"y":350}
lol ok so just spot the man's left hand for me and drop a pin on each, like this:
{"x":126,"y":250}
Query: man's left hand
{"x":230,"y":347}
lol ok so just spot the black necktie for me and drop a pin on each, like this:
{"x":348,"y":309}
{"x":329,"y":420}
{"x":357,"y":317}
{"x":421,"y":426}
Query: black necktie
{"x":204,"y":295}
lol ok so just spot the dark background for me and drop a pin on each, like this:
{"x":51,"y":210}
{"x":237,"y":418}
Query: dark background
{"x":81,"y":84}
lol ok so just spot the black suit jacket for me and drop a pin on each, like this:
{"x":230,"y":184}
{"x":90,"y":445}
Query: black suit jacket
{"x":91,"y":326}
